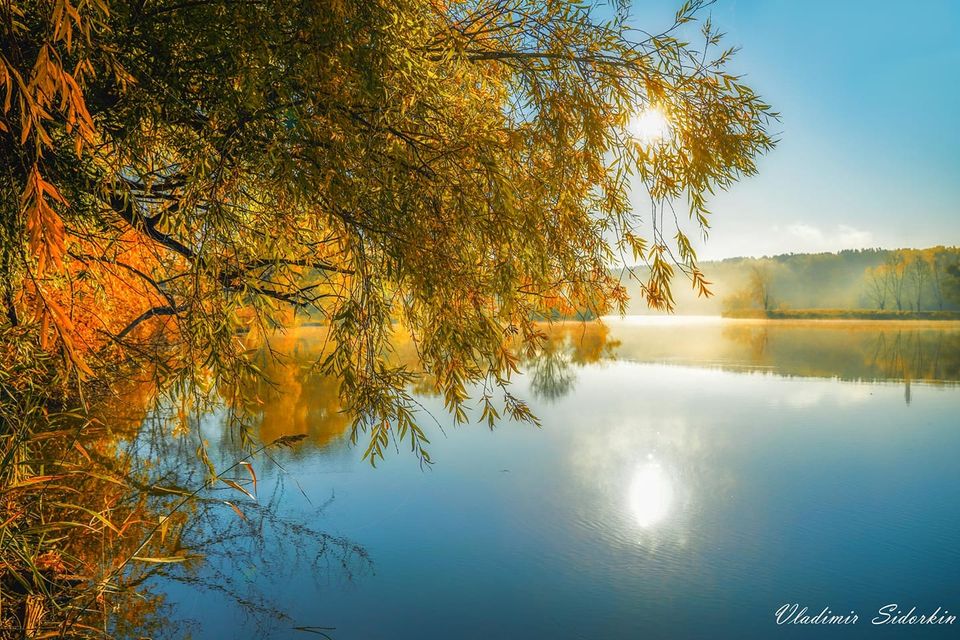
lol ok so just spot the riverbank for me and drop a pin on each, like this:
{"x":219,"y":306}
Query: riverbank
{"x":841,"y":314}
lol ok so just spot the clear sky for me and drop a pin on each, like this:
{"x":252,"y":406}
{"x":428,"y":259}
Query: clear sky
{"x":869,"y":94}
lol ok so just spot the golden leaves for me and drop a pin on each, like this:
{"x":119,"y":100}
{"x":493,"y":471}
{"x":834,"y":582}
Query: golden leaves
{"x":45,"y":232}
{"x":46,"y":240}
{"x":458,"y":169}
{"x":65,"y":17}
{"x":49,"y":88}
{"x":235,"y":485}
{"x":45,"y":100}
{"x":657,"y":288}
{"x":63,"y":328}
{"x":236,"y":509}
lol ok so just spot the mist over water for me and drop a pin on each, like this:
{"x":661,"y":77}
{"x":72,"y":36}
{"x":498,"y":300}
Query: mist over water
{"x":691,"y":476}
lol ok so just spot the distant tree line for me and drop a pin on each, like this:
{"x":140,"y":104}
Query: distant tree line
{"x":915,"y":280}
{"x":894,"y":280}
{"x":900,"y":280}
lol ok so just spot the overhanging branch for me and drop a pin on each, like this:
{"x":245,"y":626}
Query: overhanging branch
{"x":146,"y":315}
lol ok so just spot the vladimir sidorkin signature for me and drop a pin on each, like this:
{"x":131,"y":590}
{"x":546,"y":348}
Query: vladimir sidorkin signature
{"x":888,"y":614}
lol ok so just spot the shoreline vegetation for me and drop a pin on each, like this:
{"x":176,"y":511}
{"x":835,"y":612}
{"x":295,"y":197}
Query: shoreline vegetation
{"x":860,"y":283}
{"x":841,"y":314}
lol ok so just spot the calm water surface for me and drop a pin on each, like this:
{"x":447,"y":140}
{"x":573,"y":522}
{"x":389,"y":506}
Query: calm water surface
{"x":691,"y":476}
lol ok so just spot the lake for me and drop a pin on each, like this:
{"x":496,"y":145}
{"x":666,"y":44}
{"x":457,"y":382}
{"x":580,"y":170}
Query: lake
{"x":691,"y":476}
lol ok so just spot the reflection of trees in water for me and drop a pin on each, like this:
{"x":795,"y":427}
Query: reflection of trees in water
{"x":551,"y":374}
{"x":551,"y":368}
{"x":124,"y":491}
{"x":245,"y":549}
{"x":290,"y":397}
{"x":912,"y":355}
{"x":755,"y":338}
{"x":848,"y":351}
{"x":868,"y":353}
{"x":120,"y":511}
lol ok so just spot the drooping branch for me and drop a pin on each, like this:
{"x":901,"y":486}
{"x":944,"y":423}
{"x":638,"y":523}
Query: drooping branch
{"x":146,"y":315}
{"x":126,"y":209}
{"x":84,"y":257}
{"x":312,"y":264}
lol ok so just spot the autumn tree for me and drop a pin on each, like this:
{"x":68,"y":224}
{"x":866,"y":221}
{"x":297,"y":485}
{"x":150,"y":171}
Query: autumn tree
{"x":173,"y":173}
{"x":941,"y":260}
{"x":951,"y":282}
{"x":877,"y":281}
{"x":896,"y":267}
{"x":760,"y":284}
{"x":918,"y":273}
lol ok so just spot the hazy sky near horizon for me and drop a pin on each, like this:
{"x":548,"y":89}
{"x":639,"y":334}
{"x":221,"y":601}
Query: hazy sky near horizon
{"x":869,"y":152}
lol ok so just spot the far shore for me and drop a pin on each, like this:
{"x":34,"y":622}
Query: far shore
{"x":784,"y":320}
{"x":844,"y":314}
{"x":811,"y":317}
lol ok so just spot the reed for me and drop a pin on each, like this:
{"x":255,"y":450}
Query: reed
{"x":85,"y":524}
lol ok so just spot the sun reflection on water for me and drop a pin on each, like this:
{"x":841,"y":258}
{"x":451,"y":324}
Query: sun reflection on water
{"x":651,"y":493}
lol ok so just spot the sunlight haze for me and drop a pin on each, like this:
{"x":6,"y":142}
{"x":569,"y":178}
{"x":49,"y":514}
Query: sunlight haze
{"x":869,"y":150}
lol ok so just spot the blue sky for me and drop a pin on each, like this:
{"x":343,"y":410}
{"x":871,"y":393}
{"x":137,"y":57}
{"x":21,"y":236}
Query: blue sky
{"x":869,"y":94}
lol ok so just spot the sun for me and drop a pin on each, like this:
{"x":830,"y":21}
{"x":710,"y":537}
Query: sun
{"x":650,"y":127}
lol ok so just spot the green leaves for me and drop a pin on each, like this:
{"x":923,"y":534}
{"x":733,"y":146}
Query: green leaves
{"x":443,"y":173}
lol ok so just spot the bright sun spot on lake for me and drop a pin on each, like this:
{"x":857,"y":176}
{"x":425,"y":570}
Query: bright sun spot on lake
{"x":650,"y":126}
{"x":651,"y":494}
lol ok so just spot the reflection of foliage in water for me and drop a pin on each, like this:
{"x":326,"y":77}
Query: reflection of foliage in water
{"x":92,"y":516}
{"x":552,"y":375}
{"x":77,"y":503}
{"x":868,"y":353}
{"x":235,"y":537}
{"x":847,"y":350}
{"x":913,"y":355}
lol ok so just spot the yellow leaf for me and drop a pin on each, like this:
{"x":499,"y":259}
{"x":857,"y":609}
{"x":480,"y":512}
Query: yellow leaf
{"x":236,"y":486}
{"x":235,"y":508}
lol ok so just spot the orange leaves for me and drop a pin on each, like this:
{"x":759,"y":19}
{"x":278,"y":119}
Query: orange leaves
{"x":236,"y":509}
{"x":51,"y":561}
{"x":6,"y":83}
{"x":50,"y":88}
{"x":44,"y":98}
{"x":253,"y":474}
{"x":44,"y":227}
{"x":65,"y":17}
{"x":52,"y":314}
{"x":235,"y":485}
{"x":47,"y":96}
{"x":77,"y":116}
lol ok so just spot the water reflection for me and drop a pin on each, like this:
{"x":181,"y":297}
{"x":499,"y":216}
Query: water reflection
{"x":132,"y":507}
{"x":293,"y":399}
{"x":569,"y":345}
{"x":662,"y":475}
{"x":651,"y":493}
{"x":904,"y":352}
{"x":641,"y":480}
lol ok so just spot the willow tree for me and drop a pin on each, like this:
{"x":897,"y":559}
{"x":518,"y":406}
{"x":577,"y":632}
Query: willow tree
{"x":174,"y":172}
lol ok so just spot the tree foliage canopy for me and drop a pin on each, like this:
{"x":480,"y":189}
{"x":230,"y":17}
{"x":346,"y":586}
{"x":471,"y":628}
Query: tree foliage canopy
{"x":176,"y":171}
